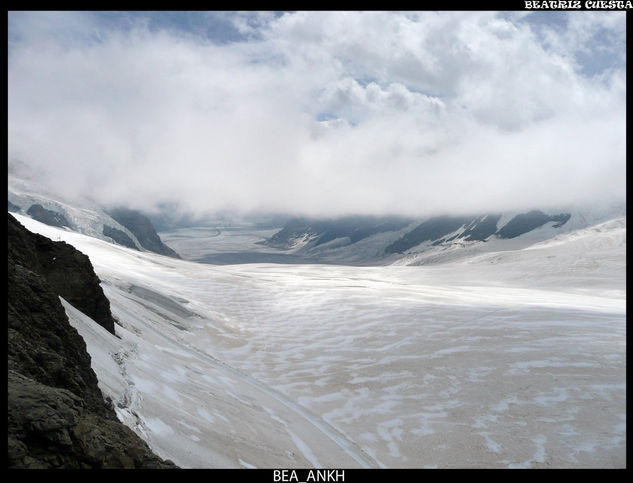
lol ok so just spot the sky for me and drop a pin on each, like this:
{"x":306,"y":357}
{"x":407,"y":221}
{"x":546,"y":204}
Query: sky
{"x":322,"y":113}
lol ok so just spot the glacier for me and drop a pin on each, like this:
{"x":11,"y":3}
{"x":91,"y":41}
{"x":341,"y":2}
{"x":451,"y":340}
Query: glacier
{"x":509,"y":357}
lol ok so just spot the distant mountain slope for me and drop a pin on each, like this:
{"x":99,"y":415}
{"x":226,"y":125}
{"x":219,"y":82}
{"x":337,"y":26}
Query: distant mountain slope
{"x":49,"y":217}
{"x":57,"y":417}
{"x":431,"y":230}
{"x":119,"y":236}
{"x":143,"y":229}
{"x":526,"y":222}
{"x":299,"y":231}
{"x":479,"y":228}
{"x":361,"y":240}
{"x":131,"y":229}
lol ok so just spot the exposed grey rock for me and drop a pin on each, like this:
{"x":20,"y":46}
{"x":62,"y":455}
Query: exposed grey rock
{"x":143,"y":230}
{"x":50,"y":427}
{"x":430,"y":230}
{"x":57,"y":417}
{"x":119,"y":236}
{"x":526,"y":222}
{"x":481,"y":228}
{"x":67,"y":270}
{"x":476,"y":228}
{"x":49,"y":217}
{"x":355,"y":228}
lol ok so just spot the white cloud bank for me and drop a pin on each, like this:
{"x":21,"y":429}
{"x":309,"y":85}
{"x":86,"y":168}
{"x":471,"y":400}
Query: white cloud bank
{"x":324,"y":112}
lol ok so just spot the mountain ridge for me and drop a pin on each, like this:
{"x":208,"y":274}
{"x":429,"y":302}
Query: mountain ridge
{"x":57,"y":416}
{"x":136,"y":230}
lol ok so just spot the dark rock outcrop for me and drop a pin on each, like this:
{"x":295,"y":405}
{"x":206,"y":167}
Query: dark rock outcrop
{"x":41,"y":343}
{"x":119,"y":236}
{"x":526,"y":222}
{"x":430,"y":230}
{"x":68,"y":271}
{"x":143,"y":230}
{"x":57,"y":417}
{"x":481,"y":228}
{"x":475,"y":228}
{"x":49,"y":217}
{"x":355,"y":228}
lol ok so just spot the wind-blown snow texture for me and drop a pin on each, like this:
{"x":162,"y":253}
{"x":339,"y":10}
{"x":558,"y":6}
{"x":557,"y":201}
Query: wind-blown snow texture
{"x":511,"y":358}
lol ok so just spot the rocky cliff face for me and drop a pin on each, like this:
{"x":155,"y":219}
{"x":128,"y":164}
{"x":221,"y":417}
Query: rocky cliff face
{"x":48,"y":217}
{"x":525,"y":222}
{"x":68,"y":271}
{"x":475,"y":228}
{"x":355,"y":228}
{"x":119,"y":237}
{"x":143,"y":230}
{"x":398,"y":235}
{"x":57,"y":417}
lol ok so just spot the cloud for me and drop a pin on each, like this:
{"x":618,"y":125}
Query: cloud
{"x":322,"y":112}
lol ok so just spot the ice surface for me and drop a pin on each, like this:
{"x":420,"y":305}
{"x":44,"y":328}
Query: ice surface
{"x":511,"y":358}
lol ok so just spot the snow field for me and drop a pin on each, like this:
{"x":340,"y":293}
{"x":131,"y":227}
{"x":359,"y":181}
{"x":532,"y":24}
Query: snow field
{"x":506,"y":359}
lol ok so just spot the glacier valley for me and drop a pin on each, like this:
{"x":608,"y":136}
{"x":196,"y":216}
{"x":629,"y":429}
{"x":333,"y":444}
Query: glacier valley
{"x":512,"y":358}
